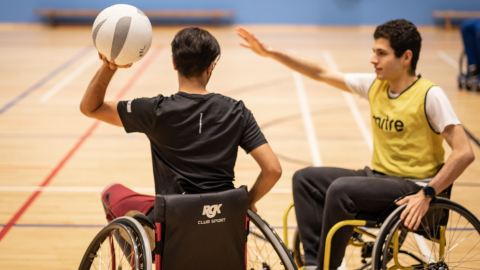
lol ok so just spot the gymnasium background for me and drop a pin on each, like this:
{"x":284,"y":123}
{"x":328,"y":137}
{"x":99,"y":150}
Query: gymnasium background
{"x":54,"y":161}
{"x":309,"y":12}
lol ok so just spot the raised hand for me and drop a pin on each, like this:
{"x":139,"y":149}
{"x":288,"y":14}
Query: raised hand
{"x":112,"y":64}
{"x":252,"y":42}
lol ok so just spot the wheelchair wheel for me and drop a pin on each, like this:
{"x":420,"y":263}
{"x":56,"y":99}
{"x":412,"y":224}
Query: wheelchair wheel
{"x":120,"y":245}
{"x":448,"y":238}
{"x":265,"y":250}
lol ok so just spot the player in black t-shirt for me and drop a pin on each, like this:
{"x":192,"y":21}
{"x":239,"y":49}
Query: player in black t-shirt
{"x":194,"y":134}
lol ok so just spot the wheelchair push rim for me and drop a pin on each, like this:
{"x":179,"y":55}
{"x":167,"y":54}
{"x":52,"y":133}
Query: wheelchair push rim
{"x":114,"y":247}
{"x":448,"y":238}
{"x":265,"y":250}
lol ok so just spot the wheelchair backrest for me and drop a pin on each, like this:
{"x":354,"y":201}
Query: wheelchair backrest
{"x":203,"y":231}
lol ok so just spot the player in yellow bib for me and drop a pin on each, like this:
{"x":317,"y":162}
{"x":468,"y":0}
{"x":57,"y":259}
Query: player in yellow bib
{"x":410,"y":118}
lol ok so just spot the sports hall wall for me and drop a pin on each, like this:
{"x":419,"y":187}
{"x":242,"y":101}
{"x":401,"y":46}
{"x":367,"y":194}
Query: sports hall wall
{"x":313,"y":12}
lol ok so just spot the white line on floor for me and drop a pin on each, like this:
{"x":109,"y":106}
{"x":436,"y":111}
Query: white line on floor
{"x":426,"y":252}
{"x":70,"y":77}
{"x":307,"y":120}
{"x":448,"y":59}
{"x":351,"y":104}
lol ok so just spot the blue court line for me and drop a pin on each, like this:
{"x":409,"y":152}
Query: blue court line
{"x":472,"y":137}
{"x":45,"y":79}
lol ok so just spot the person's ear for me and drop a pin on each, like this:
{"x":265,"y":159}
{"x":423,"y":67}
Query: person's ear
{"x":407,"y":57}
{"x":173,"y":62}
{"x":210,"y":68}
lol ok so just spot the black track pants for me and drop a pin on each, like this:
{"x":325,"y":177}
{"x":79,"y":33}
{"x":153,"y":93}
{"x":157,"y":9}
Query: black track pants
{"x":323,"y":196}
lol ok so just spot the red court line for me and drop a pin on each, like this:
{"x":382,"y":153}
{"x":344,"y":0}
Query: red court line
{"x":85,"y":136}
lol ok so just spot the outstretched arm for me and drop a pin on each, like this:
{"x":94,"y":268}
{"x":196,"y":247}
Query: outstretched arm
{"x":271,"y":172}
{"x":93,"y":104}
{"x":461,"y":156}
{"x":309,"y":68}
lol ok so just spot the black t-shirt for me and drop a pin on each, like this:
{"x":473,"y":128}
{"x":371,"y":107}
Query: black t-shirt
{"x":194,"y":139}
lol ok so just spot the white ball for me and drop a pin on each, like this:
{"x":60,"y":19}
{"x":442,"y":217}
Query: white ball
{"x":122,"y":33}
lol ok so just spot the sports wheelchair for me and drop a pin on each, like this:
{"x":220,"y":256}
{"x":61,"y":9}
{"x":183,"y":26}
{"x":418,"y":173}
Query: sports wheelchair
{"x":465,"y":82}
{"x":136,"y":243}
{"x":448,"y":238}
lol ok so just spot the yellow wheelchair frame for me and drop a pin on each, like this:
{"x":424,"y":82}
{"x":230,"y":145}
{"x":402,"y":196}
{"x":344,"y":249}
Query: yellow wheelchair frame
{"x":358,"y":223}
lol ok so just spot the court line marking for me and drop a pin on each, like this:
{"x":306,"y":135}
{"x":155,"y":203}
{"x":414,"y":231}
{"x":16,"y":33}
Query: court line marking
{"x":447,"y":58}
{"x":99,"y":189}
{"x":60,"y":165}
{"x":45,"y":79}
{"x":422,"y":245}
{"x":70,"y":77}
{"x":367,"y":136}
{"x":307,"y":119}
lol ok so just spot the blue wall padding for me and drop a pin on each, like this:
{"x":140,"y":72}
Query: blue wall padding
{"x":313,"y":12}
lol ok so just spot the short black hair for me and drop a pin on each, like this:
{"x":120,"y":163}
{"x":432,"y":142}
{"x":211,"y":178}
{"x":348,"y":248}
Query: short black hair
{"x":193,"y":51}
{"x":403,"y":35}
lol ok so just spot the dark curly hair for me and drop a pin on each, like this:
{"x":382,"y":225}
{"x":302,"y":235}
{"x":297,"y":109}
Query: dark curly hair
{"x":193,"y":51}
{"x":403,"y":35}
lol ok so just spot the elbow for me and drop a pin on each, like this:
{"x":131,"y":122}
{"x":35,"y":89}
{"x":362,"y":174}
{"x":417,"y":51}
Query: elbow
{"x":275,"y":172}
{"x":469,"y":157}
{"x":317,"y":76}
{"x":84,"y":111}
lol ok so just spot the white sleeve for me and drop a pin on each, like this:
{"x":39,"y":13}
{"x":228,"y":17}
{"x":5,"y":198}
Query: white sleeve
{"x":439,"y":110}
{"x":360,"y":83}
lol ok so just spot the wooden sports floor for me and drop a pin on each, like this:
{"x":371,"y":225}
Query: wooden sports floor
{"x":54,"y":161}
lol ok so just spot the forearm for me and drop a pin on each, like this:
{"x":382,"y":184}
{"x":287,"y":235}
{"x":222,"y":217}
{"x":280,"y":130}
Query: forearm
{"x":299,"y":64}
{"x":314,"y":70}
{"x":95,"y":94}
{"x":456,"y":163}
{"x":264,"y":183}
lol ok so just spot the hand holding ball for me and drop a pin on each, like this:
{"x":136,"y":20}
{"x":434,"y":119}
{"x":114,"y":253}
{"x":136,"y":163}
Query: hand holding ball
{"x":122,"y":33}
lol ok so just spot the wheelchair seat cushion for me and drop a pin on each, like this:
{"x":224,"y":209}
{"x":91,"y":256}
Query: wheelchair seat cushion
{"x":206,"y":231}
{"x":118,"y":200}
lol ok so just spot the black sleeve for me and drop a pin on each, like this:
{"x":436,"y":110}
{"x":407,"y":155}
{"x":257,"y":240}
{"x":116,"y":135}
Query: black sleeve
{"x":252,"y":136}
{"x":137,"y":115}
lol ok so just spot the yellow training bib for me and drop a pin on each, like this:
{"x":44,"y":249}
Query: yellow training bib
{"x":405,"y":144}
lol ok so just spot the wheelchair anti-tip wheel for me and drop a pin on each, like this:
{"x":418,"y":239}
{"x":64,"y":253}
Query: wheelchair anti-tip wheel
{"x":448,"y":238}
{"x":265,"y":250}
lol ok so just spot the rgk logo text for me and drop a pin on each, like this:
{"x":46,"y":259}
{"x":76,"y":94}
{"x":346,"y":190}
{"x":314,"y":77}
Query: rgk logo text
{"x":211,"y":210}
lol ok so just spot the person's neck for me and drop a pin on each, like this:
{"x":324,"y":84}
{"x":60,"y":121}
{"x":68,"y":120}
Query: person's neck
{"x":400,"y":84}
{"x":193,"y":85}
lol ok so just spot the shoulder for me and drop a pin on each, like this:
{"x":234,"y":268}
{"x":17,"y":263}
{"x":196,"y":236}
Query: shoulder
{"x":435,"y":92}
{"x":364,"y":78}
{"x":360,"y":83}
{"x":439,"y":110}
{"x":141,"y":102}
{"x":228,"y":101}
{"x":436,"y":98}
{"x":144,"y":105}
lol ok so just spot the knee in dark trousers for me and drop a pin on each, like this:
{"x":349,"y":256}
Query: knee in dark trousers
{"x":338,"y":197}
